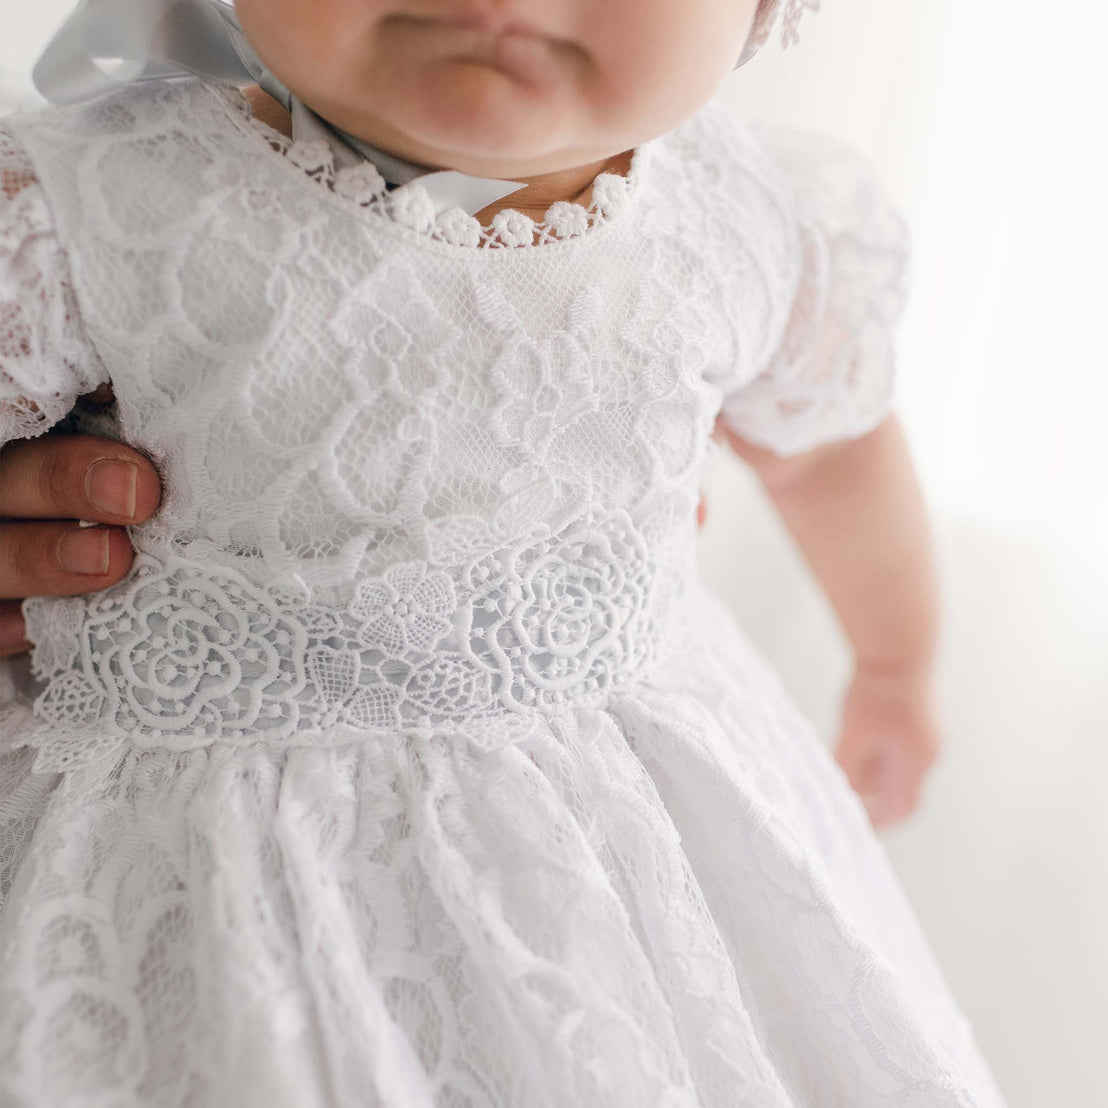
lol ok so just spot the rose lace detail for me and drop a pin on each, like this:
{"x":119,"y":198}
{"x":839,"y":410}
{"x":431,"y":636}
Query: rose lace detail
{"x":182,"y":654}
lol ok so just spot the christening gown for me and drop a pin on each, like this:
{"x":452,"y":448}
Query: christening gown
{"x":411,"y":764}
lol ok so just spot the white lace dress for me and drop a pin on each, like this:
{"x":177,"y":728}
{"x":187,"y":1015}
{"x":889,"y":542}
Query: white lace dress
{"x":411,"y":765}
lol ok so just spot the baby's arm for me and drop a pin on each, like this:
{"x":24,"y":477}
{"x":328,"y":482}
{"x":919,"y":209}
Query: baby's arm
{"x":814,"y":421}
{"x":856,"y":510}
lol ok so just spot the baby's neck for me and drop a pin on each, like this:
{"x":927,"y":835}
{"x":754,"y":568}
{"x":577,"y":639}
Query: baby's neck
{"x":574,"y":185}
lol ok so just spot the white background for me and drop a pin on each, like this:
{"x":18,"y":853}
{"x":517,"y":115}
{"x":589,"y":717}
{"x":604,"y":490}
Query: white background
{"x":986,"y":122}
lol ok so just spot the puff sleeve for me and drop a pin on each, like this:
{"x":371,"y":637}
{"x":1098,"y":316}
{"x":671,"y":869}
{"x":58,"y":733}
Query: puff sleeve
{"x":830,"y":372}
{"x":46,"y":360}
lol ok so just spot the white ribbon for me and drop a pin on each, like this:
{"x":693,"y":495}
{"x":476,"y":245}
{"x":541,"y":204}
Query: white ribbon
{"x":108,"y":44}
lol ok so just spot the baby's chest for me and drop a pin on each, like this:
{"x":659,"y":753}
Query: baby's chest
{"x":340,"y":352}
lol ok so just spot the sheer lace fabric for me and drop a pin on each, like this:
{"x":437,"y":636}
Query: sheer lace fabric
{"x":832,"y":375}
{"x":45,"y":360}
{"x":411,"y":765}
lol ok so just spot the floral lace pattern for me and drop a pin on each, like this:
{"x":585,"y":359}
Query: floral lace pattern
{"x":37,"y":376}
{"x":852,"y":282}
{"x":183,"y":654}
{"x":566,"y":917}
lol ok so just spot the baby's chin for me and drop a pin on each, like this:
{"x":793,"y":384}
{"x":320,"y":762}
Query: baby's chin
{"x":474,"y":119}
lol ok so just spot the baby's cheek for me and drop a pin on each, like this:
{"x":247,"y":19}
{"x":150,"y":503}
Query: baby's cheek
{"x":657,"y":62}
{"x":323,"y":46}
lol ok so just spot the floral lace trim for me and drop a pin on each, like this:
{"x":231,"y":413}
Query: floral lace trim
{"x":791,"y":15}
{"x":410,"y":206}
{"x":183,"y":654}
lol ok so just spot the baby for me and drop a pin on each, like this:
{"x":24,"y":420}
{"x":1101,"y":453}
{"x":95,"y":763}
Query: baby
{"x":410,"y":763}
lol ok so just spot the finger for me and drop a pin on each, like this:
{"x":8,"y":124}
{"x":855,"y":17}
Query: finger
{"x":894,"y":801}
{"x":77,"y":477}
{"x":61,"y":559}
{"x":858,"y":761}
{"x":878,"y":810}
{"x":885,"y":811}
{"x":13,"y":635}
{"x":701,"y":512}
{"x":856,"y":773}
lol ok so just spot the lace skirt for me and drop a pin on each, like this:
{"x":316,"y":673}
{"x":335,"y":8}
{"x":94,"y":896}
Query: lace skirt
{"x":665,"y":896}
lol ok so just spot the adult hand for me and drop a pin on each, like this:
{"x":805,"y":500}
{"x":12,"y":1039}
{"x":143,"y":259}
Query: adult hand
{"x":48,"y":485}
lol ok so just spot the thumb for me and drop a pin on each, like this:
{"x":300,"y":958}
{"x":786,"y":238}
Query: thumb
{"x":857,"y":758}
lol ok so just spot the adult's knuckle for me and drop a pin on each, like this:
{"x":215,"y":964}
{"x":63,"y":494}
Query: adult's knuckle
{"x":26,"y":560}
{"x":54,"y":476}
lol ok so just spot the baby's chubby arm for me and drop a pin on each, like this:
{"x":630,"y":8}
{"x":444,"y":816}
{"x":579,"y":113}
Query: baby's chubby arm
{"x":857,"y":512}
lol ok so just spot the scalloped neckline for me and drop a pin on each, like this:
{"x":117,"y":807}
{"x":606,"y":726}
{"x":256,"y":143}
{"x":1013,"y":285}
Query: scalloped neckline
{"x":361,"y":191}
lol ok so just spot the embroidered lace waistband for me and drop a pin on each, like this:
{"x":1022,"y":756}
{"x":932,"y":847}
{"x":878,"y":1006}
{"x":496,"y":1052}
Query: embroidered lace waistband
{"x":182,"y":654}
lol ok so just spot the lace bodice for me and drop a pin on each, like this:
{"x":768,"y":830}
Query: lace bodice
{"x":385,"y":444}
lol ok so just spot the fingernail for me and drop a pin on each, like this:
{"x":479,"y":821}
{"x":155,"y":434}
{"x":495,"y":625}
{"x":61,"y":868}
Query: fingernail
{"x":84,"y":552}
{"x":111,"y":485}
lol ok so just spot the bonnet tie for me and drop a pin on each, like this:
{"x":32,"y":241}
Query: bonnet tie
{"x":106,"y":45}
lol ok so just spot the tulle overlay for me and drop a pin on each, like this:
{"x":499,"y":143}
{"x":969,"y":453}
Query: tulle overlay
{"x":669,"y":899}
{"x":410,"y":765}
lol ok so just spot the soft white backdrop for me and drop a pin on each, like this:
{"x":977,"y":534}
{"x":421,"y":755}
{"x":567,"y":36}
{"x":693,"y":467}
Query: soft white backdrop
{"x":986,"y":124}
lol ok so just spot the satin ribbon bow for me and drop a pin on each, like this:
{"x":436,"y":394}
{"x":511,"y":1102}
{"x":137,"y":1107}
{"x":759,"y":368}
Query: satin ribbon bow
{"x":108,"y":44}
